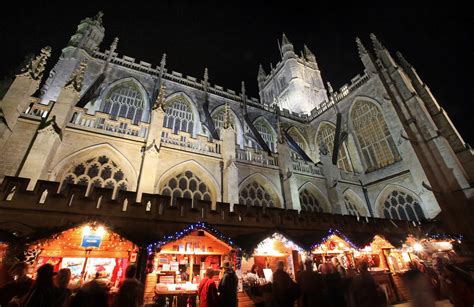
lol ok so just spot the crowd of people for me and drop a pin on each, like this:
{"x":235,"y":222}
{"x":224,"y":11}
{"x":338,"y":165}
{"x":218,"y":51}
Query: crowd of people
{"x":51,"y":289}
{"x":328,"y":285}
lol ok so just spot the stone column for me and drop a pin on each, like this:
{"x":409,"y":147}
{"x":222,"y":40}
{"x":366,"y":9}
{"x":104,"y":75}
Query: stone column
{"x":289,"y":184}
{"x":231,"y":172}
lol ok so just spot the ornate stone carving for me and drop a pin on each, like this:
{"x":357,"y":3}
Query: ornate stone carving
{"x":36,"y":66}
{"x":77,"y":77}
{"x":160,"y":100}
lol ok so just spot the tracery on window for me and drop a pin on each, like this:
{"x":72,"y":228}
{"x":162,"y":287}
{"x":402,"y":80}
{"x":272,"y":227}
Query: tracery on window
{"x":218,"y":118}
{"x":187,"y":185}
{"x":375,"y":140}
{"x":326,"y":134}
{"x":254,"y":194}
{"x":99,"y":172}
{"x":351,"y":206}
{"x":309,"y":202}
{"x":296,"y":136}
{"x":125,"y":100}
{"x":179,"y":116}
{"x":266,"y":132}
{"x":402,"y":206}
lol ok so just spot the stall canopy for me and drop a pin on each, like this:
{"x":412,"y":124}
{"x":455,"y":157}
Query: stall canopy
{"x":190,"y":229}
{"x":334,"y":241}
{"x":250,"y":242}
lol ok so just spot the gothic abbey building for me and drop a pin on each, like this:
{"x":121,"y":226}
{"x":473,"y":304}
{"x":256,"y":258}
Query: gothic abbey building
{"x":380,"y":148}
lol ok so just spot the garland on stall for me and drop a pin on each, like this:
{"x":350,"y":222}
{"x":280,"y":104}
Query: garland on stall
{"x":193,"y":227}
{"x":335,"y":232}
{"x":279,"y":237}
{"x":457,"y":238}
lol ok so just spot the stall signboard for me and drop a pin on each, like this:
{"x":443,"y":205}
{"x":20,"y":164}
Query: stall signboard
{"x":91,"y":240}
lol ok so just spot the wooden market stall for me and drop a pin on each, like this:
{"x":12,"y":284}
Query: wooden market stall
{"x":178,"y":263}
{"x":335,"y":244}
{"x":89,"y":251}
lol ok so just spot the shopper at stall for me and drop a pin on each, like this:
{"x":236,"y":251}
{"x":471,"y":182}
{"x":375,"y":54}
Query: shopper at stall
{"x":228,"y":287}
{"x":42,"y":293}
{"x":131,"y":291}
{"x":336,"y":287}
{"x":285,"y":290}
{"x":62,"y":283}
{"x":365,"y":290}
{"x":312,"y":286}
{"x":18,"y":287}
{"x":338,"y":267}
{"x":207,"y":290}
{"x":92,"y":294}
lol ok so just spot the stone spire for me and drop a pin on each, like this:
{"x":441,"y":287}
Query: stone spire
{"x":77,"y":77}
{"x":98,"y":17}
{"x":330,"y":90}
{"x":162,"y":65}
{"x":376,"y":42}
{"x":402,"y":60}
{"x":113,"y":47}
{"x":227,"y":120}
{"x":261,"y":76}
{"x":242,"y":90}
{"x":309,"y":55}
{"x":36,"y":66}
{"x":287,"y":50}
{"x":206,"y":77}
{"x":360,"y":47}
{"x":160,"y":100}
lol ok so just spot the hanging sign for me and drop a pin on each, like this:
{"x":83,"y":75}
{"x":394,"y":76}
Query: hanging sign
{"x":91,"y":240}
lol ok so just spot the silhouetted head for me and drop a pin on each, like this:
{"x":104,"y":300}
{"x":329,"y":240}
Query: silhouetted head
{"x":63,"y":278}
{"x":44,"y":276}
{"x":280,"y":265}
{"x":363,"y":266}
{"x":130,"y":271}
{"x":209,"y":272}
{"x":308,"y":265}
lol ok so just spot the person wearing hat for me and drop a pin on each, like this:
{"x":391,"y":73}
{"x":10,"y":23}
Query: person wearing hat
{"x":228,"y":287}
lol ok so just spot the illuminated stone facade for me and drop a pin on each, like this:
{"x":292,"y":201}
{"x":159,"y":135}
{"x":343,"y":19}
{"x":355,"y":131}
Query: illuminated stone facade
{"x":104,"y":121}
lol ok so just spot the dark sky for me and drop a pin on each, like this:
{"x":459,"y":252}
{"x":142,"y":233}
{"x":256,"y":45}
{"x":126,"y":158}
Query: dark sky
{"x":232,"y":39}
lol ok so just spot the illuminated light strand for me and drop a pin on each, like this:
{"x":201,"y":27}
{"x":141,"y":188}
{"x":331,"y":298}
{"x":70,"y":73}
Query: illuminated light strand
{"x":193,"y":227}
{"x":335,"y":232}
{"x":287,"y":242}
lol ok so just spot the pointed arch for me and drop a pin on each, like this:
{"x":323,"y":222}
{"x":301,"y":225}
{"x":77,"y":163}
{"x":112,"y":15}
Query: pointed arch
{"x":217,"y":117}
{"x":182,"y":114}
{"x":127,"y":98}
{"x":326,"y":132}
{"x":398,"y":202}
{"x":266,"y":131}
{"x":91,"y":152}
{"x":298,"y":137}
{"x":199,"y":174}
{"x":354,"y":204}
{"x":373,"y":136}
{"x":257,"y":189}
{"x":312,"y":199}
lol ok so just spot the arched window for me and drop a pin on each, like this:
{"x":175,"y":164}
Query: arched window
{"x":254,"y":194}
{"x":326,"y":134}
{"x":351,"y":206}
{"x":402,"y":206}
{"x":187,"y":185}
{"x":97,"y":172}
{"x":179,"y":116}
{"x":298,"y":138}
{"x":266,"y":132}
{"x":374,"y":138}
{"x":125,"y":100}
{"x":309,"y":202}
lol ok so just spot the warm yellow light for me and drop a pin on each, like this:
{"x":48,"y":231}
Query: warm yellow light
{"x":86,"y":229}
{"x":341,"y":244}
{"x":417,"y":247}
{"x":100,"y":231}
{"x":406,"y":257}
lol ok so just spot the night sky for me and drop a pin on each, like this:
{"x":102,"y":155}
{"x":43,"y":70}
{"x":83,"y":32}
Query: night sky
{"x":232,"y":39}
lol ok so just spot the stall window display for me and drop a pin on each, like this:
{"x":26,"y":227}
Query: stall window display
{"x":335,"y":245}
{"x":90,"y":251}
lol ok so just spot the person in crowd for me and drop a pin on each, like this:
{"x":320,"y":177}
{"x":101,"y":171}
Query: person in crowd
{"x":335,"y":285}
{"x":325,"y":267}
{"x":285,"y":290}
{"x":421,"y":292}
{"x":365,"y":290}
{"x":18,"y":287}
{"x":92,"y":294}
{"x":131,"y":291}
{"x":228,"y":287}
{"x":312,"y":286}
{"x":207,"y":290}
{"x":461,"y":286}
{"x":338,"y":267}
{"x":42,"y":293}
{"x":62,"y":283}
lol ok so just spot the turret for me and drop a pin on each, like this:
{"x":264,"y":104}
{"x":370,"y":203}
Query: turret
{"x":309,"y":56}
{"x":89,"y":34}
{"x":365,"y":57}
{"x":287,"y":50}
{"x":261,"y":77}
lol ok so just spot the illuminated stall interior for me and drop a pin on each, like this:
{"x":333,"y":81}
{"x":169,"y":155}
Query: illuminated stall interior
{"x":376,"y":253}
{"x":179,"y":262}
{"x":88,"y":251}
{"x":270,"y":251}
{"x":3,"y":251}
{"x":429,"y":247}
{"x":335,"y":244}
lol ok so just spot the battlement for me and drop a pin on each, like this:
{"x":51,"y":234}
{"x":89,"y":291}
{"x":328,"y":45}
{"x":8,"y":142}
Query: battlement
{"x":71,"y":203}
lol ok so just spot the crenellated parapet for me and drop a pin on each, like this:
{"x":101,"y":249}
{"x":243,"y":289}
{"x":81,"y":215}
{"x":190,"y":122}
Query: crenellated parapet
{"x":45,"y":203}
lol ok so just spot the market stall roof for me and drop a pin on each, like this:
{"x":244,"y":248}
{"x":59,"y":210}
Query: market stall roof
{"x":191,"y":228}
{"x":334,"y":232}
{"x":249,"y":242}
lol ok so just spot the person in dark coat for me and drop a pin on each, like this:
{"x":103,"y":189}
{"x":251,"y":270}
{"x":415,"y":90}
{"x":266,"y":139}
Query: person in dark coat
{"x":18,"y":287}
{"x":312,"y":286}
{"x":228,"y":287}
{"x":207,"y":291}
{"x":42,"y":293}
{"x":285,"y":290}
{"x":365,"y":289}
{"x":131,"y":291}
{"x":62,"y":282}
{"x":92,"y":294}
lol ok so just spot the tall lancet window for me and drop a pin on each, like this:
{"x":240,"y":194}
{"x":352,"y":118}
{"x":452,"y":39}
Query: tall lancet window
{"x":179,"y":116}
{"x":373,"y":135}
{"x":125,"y":100}
{"x":326,"y":133}
{"x":266,"y":132}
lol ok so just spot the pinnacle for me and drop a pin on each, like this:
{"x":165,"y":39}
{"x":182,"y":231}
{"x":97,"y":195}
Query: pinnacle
{"x":360,"y":47}
{"x":284,"y":40}
{"x":376,"y":42}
